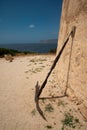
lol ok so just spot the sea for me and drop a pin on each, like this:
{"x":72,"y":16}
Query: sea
{"x":31,"y":47}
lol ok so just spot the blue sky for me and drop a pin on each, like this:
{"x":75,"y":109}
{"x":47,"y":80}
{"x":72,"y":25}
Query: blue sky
{"x":29,"y":21}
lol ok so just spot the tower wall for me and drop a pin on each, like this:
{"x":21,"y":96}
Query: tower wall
{"x":74,"y":13}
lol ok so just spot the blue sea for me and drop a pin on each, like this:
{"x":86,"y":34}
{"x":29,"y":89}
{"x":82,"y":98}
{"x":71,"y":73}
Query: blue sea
{"x":32,"y":47}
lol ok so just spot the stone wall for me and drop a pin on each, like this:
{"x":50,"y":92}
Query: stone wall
{"x":74,"y":13}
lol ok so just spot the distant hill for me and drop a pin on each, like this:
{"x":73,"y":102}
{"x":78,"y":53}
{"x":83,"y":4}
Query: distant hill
{"x":49,"y":41}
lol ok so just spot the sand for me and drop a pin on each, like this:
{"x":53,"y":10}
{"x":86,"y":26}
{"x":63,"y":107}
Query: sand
{"x":17,"y":90}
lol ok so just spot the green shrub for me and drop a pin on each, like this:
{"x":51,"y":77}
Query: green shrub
{"x":69,"y":121}
{"x":49,"y":108}
{"x":4,"y":51}
{"x":33,"y":112}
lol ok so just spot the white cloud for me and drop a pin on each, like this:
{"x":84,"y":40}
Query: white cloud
{"x":31,"y":26}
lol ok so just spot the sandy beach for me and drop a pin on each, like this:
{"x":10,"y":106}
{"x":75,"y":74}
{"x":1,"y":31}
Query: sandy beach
{"x":17,"y":90}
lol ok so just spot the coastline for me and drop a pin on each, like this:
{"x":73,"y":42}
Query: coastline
{"x":30,"y":47}
{"x":12,"y":52}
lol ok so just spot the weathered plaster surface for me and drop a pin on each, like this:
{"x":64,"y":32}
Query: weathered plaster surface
{"x":74,"y":13}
